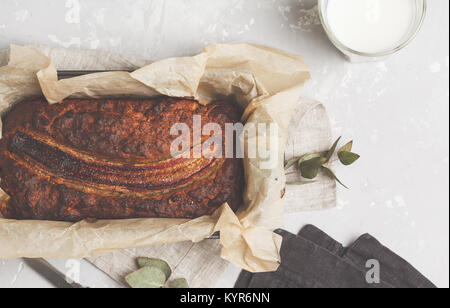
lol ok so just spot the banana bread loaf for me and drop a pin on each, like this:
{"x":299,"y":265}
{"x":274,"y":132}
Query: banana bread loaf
{"x":111,"y":159}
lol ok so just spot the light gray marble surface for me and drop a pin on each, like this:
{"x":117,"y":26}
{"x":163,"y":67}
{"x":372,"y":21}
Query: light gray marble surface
{"x":397,"y":110}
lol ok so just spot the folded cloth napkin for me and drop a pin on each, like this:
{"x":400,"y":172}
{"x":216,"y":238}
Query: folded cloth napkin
{"x":312,"y":259}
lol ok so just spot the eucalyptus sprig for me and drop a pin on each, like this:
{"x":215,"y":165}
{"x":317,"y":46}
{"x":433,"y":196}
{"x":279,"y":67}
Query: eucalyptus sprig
{"x":311,"y":164}
{"x":154,"y":273}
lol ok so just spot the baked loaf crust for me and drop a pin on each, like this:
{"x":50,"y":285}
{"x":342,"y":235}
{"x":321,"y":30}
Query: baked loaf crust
{"x":110,"y":159}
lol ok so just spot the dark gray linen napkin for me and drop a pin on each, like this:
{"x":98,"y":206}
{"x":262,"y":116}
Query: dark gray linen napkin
{"x":312,"y":259}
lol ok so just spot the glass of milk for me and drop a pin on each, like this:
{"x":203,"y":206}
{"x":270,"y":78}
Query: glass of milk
{"x":371,"y":29}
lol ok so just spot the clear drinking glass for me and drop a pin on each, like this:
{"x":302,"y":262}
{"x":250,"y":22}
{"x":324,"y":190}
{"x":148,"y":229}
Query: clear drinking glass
{"x":420,"y":8}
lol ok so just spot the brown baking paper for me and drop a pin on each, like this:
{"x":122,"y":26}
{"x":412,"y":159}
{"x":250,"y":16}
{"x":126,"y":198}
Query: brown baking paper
{"x":265,"y":81}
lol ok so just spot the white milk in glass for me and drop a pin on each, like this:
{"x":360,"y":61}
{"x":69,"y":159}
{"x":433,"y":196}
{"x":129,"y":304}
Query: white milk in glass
{"x":370,"y":26}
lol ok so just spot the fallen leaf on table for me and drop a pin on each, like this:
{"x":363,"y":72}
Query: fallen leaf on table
{"x":161,"y":264}
{"x":149,"y":277}
{"x":180,"y":283}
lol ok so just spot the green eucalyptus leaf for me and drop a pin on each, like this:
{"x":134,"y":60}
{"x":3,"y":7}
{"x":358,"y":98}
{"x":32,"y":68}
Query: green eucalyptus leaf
{"x":333,"y":175}
{"x":298,"y":160}
{"x":180,"y":283}
{"x":346,"y":148}
{"x":310,"y":168}
{"x":309,"y":171}
{"x":332,"y":150}
{"x":161,"y":264}
{"x":291,"y":163}
{"x":307,"y":157}
{"x":149,"y":277}
{"x":348,"y":158}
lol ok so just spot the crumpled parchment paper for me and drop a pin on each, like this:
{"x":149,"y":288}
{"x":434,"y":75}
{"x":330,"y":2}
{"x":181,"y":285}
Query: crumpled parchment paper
{"x":265,"y":81}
